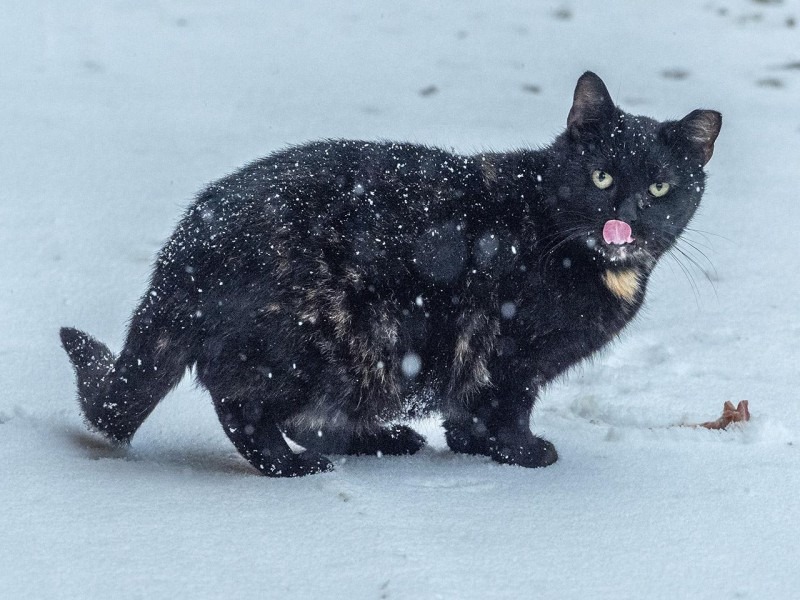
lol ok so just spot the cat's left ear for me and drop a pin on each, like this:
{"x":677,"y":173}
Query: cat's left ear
{"x":701,"y":128}
{"x":591,"y":104}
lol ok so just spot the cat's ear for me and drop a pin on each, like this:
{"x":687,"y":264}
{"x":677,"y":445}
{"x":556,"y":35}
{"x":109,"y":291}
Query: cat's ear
{"x":591,"y":104}
{"x":701,"y":128}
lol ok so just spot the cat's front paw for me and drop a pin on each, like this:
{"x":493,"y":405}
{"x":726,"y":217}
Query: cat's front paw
{"x":297,"y":465}
{"x":525,"y":451}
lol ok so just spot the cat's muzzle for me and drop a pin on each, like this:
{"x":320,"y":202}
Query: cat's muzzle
{"x":622,"y":256}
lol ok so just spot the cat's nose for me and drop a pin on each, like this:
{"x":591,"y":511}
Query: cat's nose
{"x":627,"y":211}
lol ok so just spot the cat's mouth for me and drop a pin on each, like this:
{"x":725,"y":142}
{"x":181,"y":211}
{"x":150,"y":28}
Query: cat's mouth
{"x":622,"y":255}
{"x":618,"y":247}
{"x":629,"y":254}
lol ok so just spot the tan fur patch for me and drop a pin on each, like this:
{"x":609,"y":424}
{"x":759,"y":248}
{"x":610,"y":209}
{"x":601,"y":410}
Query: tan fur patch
{"x":488,"y":170}
{"x":623,"y":284}
{"x":274,"y":308}
{"x":462,"y":348}
{"x":475,"y":344}
{"x":162,"y":344}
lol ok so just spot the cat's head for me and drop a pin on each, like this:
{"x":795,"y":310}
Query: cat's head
{"x":627,"y":185}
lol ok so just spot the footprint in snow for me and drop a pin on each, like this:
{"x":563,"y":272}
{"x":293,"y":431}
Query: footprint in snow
{"x":452,"y":484}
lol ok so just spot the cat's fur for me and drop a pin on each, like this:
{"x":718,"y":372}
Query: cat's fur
{"x":332,"y":288}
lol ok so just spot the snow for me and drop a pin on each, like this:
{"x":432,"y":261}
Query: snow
{"x":114,"y":114}
{"x":411,"y":365}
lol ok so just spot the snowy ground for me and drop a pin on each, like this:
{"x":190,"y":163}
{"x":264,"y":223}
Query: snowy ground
{"x":113,"y":114}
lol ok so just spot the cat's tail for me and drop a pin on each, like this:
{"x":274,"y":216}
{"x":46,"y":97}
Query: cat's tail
{"x":116,"y":394}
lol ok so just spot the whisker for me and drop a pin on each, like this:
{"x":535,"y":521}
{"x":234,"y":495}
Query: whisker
{"x":699,"y":268}
{"x":707,"y":233}
{"x":707,"y":245}
{"x":702,"y":254}
{"x":572,"y":234}
{"x":689,"y":278}
{"x":687,"y":272}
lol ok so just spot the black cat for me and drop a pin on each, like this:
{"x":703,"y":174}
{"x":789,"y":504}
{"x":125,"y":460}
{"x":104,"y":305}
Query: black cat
{"x":330,"y":289}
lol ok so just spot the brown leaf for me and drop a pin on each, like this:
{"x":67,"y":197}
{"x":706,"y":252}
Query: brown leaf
{"x":739,"y":414}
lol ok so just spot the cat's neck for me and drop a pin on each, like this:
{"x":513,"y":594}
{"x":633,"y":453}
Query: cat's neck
{"x":516,"y":175}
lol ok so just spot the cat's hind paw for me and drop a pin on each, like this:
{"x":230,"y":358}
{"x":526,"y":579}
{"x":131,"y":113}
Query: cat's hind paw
{"x":391,"y":441}
{"x":530,"y":452}
{"x":297,"y":465}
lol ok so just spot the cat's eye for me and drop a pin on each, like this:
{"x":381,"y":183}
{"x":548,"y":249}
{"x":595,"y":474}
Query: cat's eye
{"x":658,"y":189}
{"x":602,"y":179}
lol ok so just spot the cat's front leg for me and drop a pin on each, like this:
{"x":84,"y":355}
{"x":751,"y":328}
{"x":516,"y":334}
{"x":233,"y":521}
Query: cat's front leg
{"x":522,"y":448}
{"x":498,"y":425}
{"x":497,"y":422}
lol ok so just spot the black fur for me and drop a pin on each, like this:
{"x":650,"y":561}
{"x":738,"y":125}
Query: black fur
{"x":332,"y":288}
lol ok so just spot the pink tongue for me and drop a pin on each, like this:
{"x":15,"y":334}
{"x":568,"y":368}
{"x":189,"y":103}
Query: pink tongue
{"x":617,"y":232}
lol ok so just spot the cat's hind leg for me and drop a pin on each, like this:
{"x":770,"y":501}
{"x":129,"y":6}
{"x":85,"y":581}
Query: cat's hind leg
{"x":389,"y":441}
{"x":392,"y":440}
{"x":257,"y":438}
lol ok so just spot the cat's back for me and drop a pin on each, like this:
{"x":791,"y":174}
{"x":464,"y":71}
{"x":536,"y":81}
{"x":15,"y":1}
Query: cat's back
{"x":338,"y":180}
{"x":338,"y":191}
{"x":315,"y":174}
{"x":355,"y":205}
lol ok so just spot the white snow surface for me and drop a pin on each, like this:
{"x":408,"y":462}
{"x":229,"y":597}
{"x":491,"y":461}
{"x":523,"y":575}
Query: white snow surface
{"x":113,"y":114}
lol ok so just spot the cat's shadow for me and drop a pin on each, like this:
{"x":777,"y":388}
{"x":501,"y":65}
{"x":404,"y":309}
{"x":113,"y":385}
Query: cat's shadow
{"x":197,"y":459}
{"x":434,"y":466}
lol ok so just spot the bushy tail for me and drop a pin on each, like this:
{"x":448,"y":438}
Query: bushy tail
{"x":93,"y":362}
{"x":117,"y":394}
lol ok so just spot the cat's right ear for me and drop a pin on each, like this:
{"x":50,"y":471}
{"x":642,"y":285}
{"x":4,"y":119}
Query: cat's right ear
{"x":701,"y":128}
{"x":591,"y":104}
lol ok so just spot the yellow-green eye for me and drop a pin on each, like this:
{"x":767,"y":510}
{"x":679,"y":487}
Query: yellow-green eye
{"x":658,"y":189}
{"x":602,"y":179}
